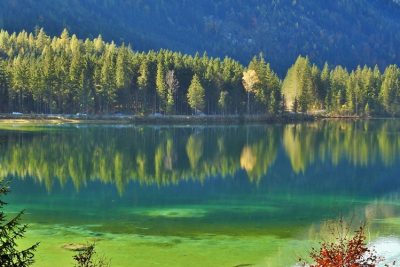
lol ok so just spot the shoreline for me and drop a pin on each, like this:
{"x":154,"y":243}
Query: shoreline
{"x":151,"y":119}
{"x":171,"y":119}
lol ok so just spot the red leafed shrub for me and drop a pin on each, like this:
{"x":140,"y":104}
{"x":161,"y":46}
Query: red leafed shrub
{"x":347,"y":250}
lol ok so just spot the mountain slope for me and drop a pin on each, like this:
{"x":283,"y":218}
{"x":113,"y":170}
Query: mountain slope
{"x":341,"y":32}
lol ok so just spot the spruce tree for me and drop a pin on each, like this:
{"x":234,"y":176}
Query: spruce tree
{"x":4,"y":87}
{"x":390,"y":91}
{"x":143,"y":84}
{"x":325,"y":84}
{"x":10,"y":231}
{"x":161,"y":87}
{"x":295,"y":105}
{"x":283,"y":107}
{"x":195,"y":95}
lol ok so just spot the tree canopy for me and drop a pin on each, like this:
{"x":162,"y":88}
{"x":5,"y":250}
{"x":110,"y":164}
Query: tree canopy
{"x":44,"y":74}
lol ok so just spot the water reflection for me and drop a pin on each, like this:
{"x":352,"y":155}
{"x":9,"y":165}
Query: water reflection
{"x":169,"y":155}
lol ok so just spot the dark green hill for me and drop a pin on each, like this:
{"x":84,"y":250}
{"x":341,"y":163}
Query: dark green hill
{"x":341,"y":32}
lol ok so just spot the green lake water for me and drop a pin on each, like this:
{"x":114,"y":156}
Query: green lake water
{"x":259,"y":195}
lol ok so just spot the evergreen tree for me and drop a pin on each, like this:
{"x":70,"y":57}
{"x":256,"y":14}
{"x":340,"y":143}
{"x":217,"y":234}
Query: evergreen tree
{"x":299,"y":84}
{"x":161,"y":87}
{"x":87,"y":85}
{"x":4,"y":86}
{"x":143,"y":84}
{"x":74,"y":82}
{"x":283,"y":104}
{"x":325,"y":84}
{"x":295,"y":105}
{"x":123,"y":76}
{"x":376,"y":87}
{"x":390,"y":91}
{"x":10,"y":232}
{"x":20,"y":81}
{"x":195,"y":95}
{"x":339,"y":79}
{"x":50,"y":83}
{"x":107,"y":80}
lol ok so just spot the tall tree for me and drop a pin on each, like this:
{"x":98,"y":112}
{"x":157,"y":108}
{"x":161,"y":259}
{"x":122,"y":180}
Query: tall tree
{"x":161,"y":87}
{"x":325,"y":84}
{"x":390,"y":91}
{"x":143,"y":84}
{"x":298,"y":84}
{"x":195,"y":95}
{"x":4,"y":86}
{"x":108,"y":81}
{"x":50,"y":83}
{"x":20,"y":81}
{"x":172,"y":84}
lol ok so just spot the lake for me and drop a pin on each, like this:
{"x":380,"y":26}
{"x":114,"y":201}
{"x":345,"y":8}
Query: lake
{"x":256,"y":195}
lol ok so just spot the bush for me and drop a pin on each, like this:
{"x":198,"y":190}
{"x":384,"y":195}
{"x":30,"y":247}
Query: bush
{"x":86,"y":258}
{"x":346,"y":250}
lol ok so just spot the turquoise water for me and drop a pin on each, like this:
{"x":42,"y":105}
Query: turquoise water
{"x":201,"y":196}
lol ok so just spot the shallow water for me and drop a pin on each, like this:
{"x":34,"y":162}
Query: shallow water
{"x":202,"y":196}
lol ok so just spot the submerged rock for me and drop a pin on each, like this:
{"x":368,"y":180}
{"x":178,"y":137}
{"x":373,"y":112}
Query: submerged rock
{"x":75,"y":246}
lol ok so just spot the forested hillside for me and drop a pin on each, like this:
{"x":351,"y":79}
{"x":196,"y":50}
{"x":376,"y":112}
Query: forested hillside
{"x":340,"y":32}
{"x":41,"y":74}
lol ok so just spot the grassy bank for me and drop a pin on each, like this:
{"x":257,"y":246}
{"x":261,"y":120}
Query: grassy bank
{"x":151,"y":119}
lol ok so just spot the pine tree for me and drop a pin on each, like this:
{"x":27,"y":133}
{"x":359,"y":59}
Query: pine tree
{"x":376,"y":86}
{"x":20,"y":81}
{"x":161,"y":87}
{"x":325,"y":84}
{"x":87,"y":85}
{"x":336,"y":95}
{"x":295,"y":106}
{"x":143,"y":84}
{"x":121,"y":68}
{"x":298,"y":84}
{"x":390,"y":91}
{"x":195,"y":95}
{"x":283,"y":104}
{"x":74,"y":82}
{"x":123,"y":76}
{"x":50,"y":83}
{"x":4,"y":87}
{"x":64,"y":40}
{"x":10,"y":232}
{"x":107,"y":77}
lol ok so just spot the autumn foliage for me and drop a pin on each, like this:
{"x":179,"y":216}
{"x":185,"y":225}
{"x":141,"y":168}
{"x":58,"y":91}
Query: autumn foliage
{"x":347,"y":250}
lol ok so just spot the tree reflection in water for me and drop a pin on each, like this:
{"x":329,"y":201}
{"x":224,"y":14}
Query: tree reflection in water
{"x":169,"y":155}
